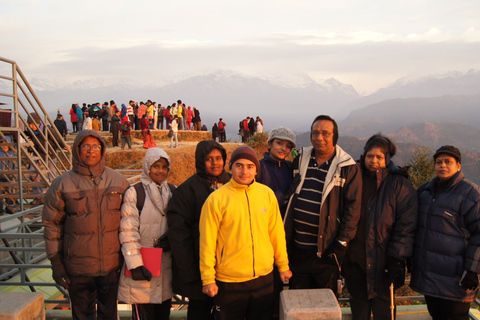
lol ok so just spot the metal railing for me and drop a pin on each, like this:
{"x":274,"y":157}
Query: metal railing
{"x":37,"y":147}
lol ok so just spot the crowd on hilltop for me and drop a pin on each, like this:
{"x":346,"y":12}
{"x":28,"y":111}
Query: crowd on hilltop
{"x":99,"y":117}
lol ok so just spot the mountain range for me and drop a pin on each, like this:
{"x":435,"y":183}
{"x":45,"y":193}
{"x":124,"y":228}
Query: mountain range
{"x":431,"y":111}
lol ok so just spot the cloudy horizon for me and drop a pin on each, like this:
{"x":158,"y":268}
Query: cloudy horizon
{"x":368,"y":44}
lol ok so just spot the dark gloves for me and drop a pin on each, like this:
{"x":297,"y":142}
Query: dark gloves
{"x":336,"y":249}
{"x":163,"y":242}
{"x":395,"y":272}
{"x":469,"y":281}
{"x":141,"y":273}
{"x":59,"y":273}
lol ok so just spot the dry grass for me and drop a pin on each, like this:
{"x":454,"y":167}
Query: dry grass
{"x":182,"y":159}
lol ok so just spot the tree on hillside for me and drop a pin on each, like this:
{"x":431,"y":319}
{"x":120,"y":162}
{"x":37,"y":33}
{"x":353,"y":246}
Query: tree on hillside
{"x":421,"y":167}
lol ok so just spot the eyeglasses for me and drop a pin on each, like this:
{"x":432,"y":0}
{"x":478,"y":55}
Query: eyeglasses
{"x":325,"y":134}
{"x":89,"y":147}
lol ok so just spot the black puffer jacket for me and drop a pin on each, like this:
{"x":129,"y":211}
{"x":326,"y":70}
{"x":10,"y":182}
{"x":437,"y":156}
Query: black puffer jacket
{"x":447,"y":239}
{"x":183,"y":218}
{"x":391,"y":219}
{"x":82,"y":215}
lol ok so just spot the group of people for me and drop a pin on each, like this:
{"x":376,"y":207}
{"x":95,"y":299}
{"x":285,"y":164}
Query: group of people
{"x":231,"y":240}
{"x":101,"y":118}
{"x":248,"y":127}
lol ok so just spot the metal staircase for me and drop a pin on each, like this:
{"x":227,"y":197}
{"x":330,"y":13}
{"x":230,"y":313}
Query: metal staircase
{"x":36,"y":152}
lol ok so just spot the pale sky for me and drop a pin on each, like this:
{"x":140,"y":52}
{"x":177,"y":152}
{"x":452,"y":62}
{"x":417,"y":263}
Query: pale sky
{"x":366,"y":43}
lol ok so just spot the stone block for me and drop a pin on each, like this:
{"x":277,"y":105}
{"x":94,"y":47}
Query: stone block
{"x":309,"y":305}
{"x":22,"y":306}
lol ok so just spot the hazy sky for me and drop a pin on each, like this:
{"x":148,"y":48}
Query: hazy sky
{"x":366,"y":43}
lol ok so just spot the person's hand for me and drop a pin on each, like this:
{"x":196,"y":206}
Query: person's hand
{"x":395,"y":272}
{"x":210,"y":290}
{"x":285,"y":276}
{"x":59,"y":274}
{"x":141,"y":273}
{"x":337,"y":250}
{"x":469,"y":281}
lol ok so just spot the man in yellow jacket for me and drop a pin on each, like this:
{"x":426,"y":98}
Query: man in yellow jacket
{"x":241,"y":237}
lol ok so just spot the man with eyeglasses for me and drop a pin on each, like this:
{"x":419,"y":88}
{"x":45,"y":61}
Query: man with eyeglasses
{"x":323,"y":213}
{"x":82,"y":219}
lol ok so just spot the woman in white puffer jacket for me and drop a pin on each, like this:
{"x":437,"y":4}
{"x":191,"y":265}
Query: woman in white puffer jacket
{"x":150,"y":296}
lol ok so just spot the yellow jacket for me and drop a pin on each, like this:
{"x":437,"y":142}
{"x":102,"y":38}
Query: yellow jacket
{"x":241,"y":234}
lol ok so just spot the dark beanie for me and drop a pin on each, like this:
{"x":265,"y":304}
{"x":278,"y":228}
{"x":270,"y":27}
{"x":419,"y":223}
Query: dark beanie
{"x":451,"y":151}
{"x":245,"y":152}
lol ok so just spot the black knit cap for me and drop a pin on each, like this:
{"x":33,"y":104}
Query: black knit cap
{"x":451,"y":151}
{"x":245,"y":152}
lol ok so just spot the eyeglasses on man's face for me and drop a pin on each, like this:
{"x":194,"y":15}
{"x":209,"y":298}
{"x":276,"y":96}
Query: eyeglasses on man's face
{"x":324,"y":134}
{"x":90,"y":147}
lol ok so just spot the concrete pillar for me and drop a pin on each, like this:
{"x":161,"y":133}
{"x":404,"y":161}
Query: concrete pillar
{"x":309,"y":304}
{"x":22,"y":306}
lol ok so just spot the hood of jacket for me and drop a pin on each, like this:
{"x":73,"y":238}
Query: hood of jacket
{"x":78,"y":165}
{"x":152,"y":156}
{"x":202,"y":150}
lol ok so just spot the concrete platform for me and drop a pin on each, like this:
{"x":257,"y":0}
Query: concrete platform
{"x":21,"y":306}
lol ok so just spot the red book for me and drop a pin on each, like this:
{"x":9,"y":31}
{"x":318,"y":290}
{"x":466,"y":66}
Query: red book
{"x":152,"y":260}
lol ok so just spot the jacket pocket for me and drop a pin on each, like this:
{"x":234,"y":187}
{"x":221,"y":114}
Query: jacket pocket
{"x":76,"y":206}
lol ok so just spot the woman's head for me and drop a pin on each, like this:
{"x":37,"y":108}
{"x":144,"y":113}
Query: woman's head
{"x":448,"y":161}
{"x":378,"y":151}
{"x":210,"y":158}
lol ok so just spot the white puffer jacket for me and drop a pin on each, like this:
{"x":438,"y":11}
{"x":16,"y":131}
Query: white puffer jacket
{"x":138,"y":231}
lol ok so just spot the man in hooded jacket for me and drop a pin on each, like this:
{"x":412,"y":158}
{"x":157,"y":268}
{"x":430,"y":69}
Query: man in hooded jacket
{"x":82,"y":219}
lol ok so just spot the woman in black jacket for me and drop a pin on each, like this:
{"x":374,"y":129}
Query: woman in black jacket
{"x":446,"y":255}
{"x":183,"y":231}
{"x":385,"y":235}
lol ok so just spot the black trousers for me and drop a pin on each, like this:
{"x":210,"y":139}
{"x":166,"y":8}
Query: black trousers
{"x":152,"y":311}
{"x":311,"y":272}
{"x":442,"y":309}
{"x":361,"y":306}
{"x":85,"y":292}
{"x":200,"y":309}
{"x":245,"y":300}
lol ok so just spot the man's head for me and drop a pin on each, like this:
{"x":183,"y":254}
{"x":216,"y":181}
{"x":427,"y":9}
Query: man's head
{"x":324,"y":135}
{"x":59,"y":116}
{"x":244,"y":165}
{"x":90,"y":151}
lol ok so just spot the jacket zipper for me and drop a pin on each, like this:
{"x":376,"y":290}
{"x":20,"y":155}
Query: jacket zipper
{"x":251,"y":233}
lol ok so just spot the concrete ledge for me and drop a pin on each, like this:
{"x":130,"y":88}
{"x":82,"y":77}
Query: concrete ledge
{"x":21,"y":306}
{"x":309,"y":304}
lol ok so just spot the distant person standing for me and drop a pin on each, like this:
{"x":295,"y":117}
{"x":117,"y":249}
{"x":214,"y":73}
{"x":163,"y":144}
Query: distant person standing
{"x":105,"y":116}
{"x":221,"y":130}
{"x":197,"y":121}
{"x":61,"y":126}
{"x":73,"y":118}
{"x":214,"y":132}
{"x":174,"y":128}
{"x":160,"y":112}
{"x":115,"y":127}
{"x":80,"y":117}
{"x":126,"y":128}
{"x":259,"y":125}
